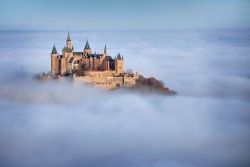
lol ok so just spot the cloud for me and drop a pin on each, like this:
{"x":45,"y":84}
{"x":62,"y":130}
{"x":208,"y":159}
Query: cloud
{"x":63,"y":123}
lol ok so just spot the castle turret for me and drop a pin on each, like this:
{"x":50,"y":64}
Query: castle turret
{"x":87,"y":49}
{"x":54,"y":62}
{"x":68,"y":42}
{"x":119,"y":65}
{"x":105,"y":50}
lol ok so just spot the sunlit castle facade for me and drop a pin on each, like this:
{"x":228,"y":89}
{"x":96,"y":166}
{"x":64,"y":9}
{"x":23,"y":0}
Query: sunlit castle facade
{"x":78,"y":63}
{"x":99,"y":69}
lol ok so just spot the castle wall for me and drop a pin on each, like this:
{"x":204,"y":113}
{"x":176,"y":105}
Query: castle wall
{"x":107,"y":80}
{"x":97,"y":64}
{"x":86,"y":61}
{"x":100,"y":74}
{"x":91,"y":63}
{"x":70,"y":68}
{"x":67,"y":55}
{"x":117,"y":82}
{"x":63,"y":66}
{"x":129,"y":81}
{"x":106,"y":66}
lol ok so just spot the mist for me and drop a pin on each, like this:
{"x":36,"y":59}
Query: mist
{"x":65,"y":123}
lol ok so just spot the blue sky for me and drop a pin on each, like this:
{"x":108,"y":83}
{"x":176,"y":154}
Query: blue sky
{"x":69,"y":15}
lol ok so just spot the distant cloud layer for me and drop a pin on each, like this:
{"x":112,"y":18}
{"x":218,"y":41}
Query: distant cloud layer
{"x":60,"y":123}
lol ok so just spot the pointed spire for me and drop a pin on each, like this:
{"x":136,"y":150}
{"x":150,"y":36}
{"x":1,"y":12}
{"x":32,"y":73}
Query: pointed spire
{"x":119,"y":56}
{"x":54,"y":51}
{"x":87,"y":45}
{"x":68,"y":38}
{"x":105,"y":50}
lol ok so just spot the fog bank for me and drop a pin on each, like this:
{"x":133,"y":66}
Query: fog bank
{"x":63,"y":123}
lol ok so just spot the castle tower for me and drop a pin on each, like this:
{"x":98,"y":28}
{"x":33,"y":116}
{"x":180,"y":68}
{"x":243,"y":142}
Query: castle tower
{"x":54,"y":62}
{"x":63,"y":66}
{"x":68,"y":50}
{"x":87,"y":49}
{"x":68,"y":42}
{"x":119,"y":65}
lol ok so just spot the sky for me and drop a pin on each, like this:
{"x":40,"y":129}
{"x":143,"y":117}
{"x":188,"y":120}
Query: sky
{"x":84,"y":15}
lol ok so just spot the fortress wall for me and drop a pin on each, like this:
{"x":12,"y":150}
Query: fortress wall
{"x":129,"y":81}
{"x":100,"y":74}
{"x":115,"y":81}
{"x":97,"y":82}
{"x":97,"y":64}
{"x":106,"y":79}
{"x":63,"y":66}
{"x":101,"y":80}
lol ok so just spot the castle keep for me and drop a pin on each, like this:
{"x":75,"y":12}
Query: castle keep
{"x":98,"y":69}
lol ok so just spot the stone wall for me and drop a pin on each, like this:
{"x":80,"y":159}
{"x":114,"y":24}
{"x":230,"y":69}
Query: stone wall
{"x":107,"y":80}
{"x":63,"y":66}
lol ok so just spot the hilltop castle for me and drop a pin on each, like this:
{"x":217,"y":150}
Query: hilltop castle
{"x":71,"y":62}
{"x":98,"y":69}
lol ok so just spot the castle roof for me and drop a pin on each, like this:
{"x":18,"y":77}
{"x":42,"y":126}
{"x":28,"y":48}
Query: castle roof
{"x":119,"y":56}
{"x":77,"y":53}
{"x":68,"y":49}
{"x":68,"y":38}
{"x":98,"y":56}
{"x":105,"y":49}
{"x":109,"y":58}
{"x":54,"y":51}
{"x":87,"y":45}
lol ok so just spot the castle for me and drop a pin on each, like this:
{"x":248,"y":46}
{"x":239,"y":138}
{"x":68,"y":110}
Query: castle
{"x":100,"y":70}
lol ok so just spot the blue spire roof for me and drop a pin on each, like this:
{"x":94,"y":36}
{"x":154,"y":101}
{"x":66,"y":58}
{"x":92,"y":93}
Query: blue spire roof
{"x":54,"y":51}
{"x":119,"y":56}
{"x":87,"y":45}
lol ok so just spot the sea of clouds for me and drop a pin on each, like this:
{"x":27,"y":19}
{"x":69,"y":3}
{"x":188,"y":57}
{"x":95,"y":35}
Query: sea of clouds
{"x":60,"y":123}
